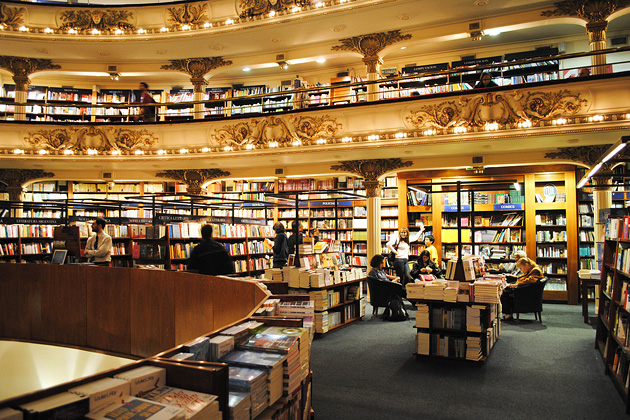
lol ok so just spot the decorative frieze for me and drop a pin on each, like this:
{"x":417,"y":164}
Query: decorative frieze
{"x":254,"y":8}
{"x":193,"y":178}
{"x":99,"y":19}
{"x":276,"y":131}
{"x":188,"y":14}
{"x":497,"y":107}
{"x":100,"y":139}
{"x":588,"y":155}
{"x":11,"y":16}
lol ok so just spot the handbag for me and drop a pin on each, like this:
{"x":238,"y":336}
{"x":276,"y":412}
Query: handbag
{"x":392,"y":256}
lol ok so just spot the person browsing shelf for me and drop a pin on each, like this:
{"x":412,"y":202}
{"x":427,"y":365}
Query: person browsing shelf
{"x":296,"y":238}
{"x":531,"y":274}
{"x":210,"y":257}
{"x":429,"y":240}
{"x":378,"y":264}
{"x":99,"y":246}
{"x":147,"y":113}
{"x":280,"y":246}
{"x":424,"y":265}
{"x":399,"y":245}
{"x":485,"y":81}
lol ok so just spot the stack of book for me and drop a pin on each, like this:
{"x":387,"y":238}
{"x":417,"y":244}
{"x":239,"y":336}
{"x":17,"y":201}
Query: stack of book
{"x":220,"y":345}
{"x":304,"y":309}
{"x":103,"y":392}
{"x":273,"y":274}
{"x":422,"y":315}
{"x":253,"y":382}
{"x":434,"y":290}
{"x":283,"y":344}
{"x":271,"y":362}
{"x":143,"y":379}
{"x":487,"y":291}
{"x":136,"y":408}
{"x":473,"y":318}
{"x":320,"y":299}
{"x":451,"y":291}
{"x":423,"y":343}
{"x":199,"y":347}
{"x":304,"y":341}
{"x":196,"y":405}
{"x":242,"y":331}
{"x":322,"y":322}
{"x":415,"y":290}
{"x":65,"y":405}
{"x":473,"y":348}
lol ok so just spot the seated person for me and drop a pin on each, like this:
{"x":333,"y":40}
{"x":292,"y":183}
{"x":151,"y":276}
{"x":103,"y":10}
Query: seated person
{"x":378,"y":263}
{"x":424,"y":265}
{"x":512,"y":275}
{"x":531,"y":274}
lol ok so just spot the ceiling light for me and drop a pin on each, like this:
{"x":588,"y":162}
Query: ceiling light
{"x":296,"y":9}
{"x":139,"y":152}
{"x":560,"y":121}
{"x":114,"y":76}
{"x":207,"y":25}
{"x":321,"y":141}
{"x":95,"y":31}
{"x":273,"y":144}
{"x":18,"y":151}
{"x":183,"y":151}
{"x":613,"y":152}
{"x":161,"y":152}
{"x":249,"y":146}
{"x":118,"y":31}
{"x":247,"y":69}
{"x":115,"y":152}
{"x":272,"y":13}
{"x":42,"y":152}
{"x":48,"y":31}
{"x":163,"y":29}
{"x":23,"y":29}
{"x":297,"y":143}
{"x":597,"y":118}
{"x":68,"y":152}
{"x":283,"y":65}
{"x":227,"y":148}
{"x":72,"y":31}
{"x":430,"y":132}
{"x":185,"y":27}
{"x":205,"y":150}
{"x":492,"y":32}
{"x":403,"y":48}
{"x":319,"y":4}
{"x":373,"y":137}
{"x":525,"y":124}
{"x":92,"y":152}
{"x":321,"y":60}
{"x":229,"y":21}
{"x":400,"y":135}
{"x":142,"y":31}
{"x":346,"y":139}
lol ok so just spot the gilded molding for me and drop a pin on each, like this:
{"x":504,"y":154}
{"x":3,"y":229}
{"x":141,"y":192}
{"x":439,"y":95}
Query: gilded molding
{"x":197,"y":68}
{"x":193,"y":178}
{"x":284,"y":130}
{"x":370,"y":45}
{"x":588,"y":10}
{"x":81,"y":139}
{"x":188,"y":14}
{"x":588,"y":155}
{"x":22,"y":67}
{"x":11,"y":16}
{"x":102,"y":20}
{"x":371,"y":169}
{"x":16,"y":178}
{"x":497,"y":107}
{"x":253,"y":8}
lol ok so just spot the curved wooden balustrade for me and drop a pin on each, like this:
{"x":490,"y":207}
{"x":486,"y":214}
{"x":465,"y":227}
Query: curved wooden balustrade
{"x":126,"y":311}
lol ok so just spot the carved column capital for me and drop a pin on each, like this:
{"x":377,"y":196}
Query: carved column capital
{"x":371,"y":170}
{"x":193,"y":178}
{"x":370,"y":45}
{"x":373,"y":63}
{"x":16,"y":178}
{"x":197,"y":68}
{"x":22,"y":67}
{"x":602,"y":183}
{"x":588,"y":155}
{"x":596,"y":31}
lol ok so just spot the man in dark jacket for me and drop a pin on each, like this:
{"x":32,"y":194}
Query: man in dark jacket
{"x":210,"y":257}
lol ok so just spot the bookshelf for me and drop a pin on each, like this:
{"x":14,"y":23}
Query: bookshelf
{"x":455,"y":330}
{"x":613,"y":319}
{"x":337,"y":305}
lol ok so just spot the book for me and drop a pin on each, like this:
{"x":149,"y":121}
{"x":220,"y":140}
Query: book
{"x":143,"y":379}
{"x":132,"y":408}
{"x":198,"y":405}
{"x":103,"y":392}
{"x":63,"y":406}
{"x":252,"y":381}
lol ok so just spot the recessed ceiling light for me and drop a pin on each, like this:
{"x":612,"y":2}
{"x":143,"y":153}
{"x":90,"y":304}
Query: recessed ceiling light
{"x":321,"y":60}
{"x":247,"y":69}
{"x":403,"y":48}
{"x":492,"y":32}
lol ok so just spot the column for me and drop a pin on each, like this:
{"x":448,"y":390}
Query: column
{"x":373,"y":193}
{"x":373,"y":73}
{"x":21,"y":96}
{"x":198,"y":97}
{"x":597,"y":42}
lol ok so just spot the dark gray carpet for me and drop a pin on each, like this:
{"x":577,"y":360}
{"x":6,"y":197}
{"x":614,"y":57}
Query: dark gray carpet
{"x":535,"y":371}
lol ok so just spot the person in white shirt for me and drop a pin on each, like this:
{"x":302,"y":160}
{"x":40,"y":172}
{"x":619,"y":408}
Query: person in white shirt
{"x":99,"y":246}
{"x":399,"y":245}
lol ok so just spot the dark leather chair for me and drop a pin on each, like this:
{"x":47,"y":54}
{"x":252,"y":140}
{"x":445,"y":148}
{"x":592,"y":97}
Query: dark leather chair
{"x":381,"y":291}
{"x":528,"y":298}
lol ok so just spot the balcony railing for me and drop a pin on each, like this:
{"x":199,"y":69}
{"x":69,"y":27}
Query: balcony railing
{"x":118,"y":106}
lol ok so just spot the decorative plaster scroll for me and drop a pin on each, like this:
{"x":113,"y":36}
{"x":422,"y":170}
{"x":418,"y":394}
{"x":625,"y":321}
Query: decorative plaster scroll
{"x":193,"y":178}
{"x":588,"y":10}
{"x":22,"y":67}
{"x":96,"y":138}
{"x":11,"y":16}
{"x":283,"y":130}
{"x":188,"y":14}
{"x":497,"y":107}
{"x":587,"y":155}
{"x":253,"y":8}
{"x":102,"y":20}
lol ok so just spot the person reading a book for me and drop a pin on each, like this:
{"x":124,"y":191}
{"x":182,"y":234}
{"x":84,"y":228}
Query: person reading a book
{"x":511,"y":271}
{"x":280,"y":246}
{"x":429,"y":240}
{"x":378,"y":264}
{"x":210,"y":257}
{"x":99,"y":246}
{"x":424,"y":265}
{"x":399,"y":247}
{"x":531,"y":274}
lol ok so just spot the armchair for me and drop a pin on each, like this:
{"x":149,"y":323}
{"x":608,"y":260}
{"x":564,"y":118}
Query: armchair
{"x":528,"y":298}
{"x":381,"y":291}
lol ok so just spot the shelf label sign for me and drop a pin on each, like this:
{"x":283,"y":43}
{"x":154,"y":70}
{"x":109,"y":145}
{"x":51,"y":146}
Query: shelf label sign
{"x":29,"y":221}
{"x":347,"y":203}
{"x":248,"y":221}
{"x":465,"y":207}
{"x":512,"y":206}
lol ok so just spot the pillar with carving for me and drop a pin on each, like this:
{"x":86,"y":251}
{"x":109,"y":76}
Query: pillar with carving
{"x":197,"y":68}
{"x":21,"y":68}
{"x":369,"y":46}
{"x":597,"y":42}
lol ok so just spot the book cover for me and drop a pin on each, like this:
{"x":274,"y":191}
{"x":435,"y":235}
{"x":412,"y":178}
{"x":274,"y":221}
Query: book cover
{"x":143,"y":379}
{"x":196,"y":404}
{"x":103,"y":392}
{"x":133,"y":408}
